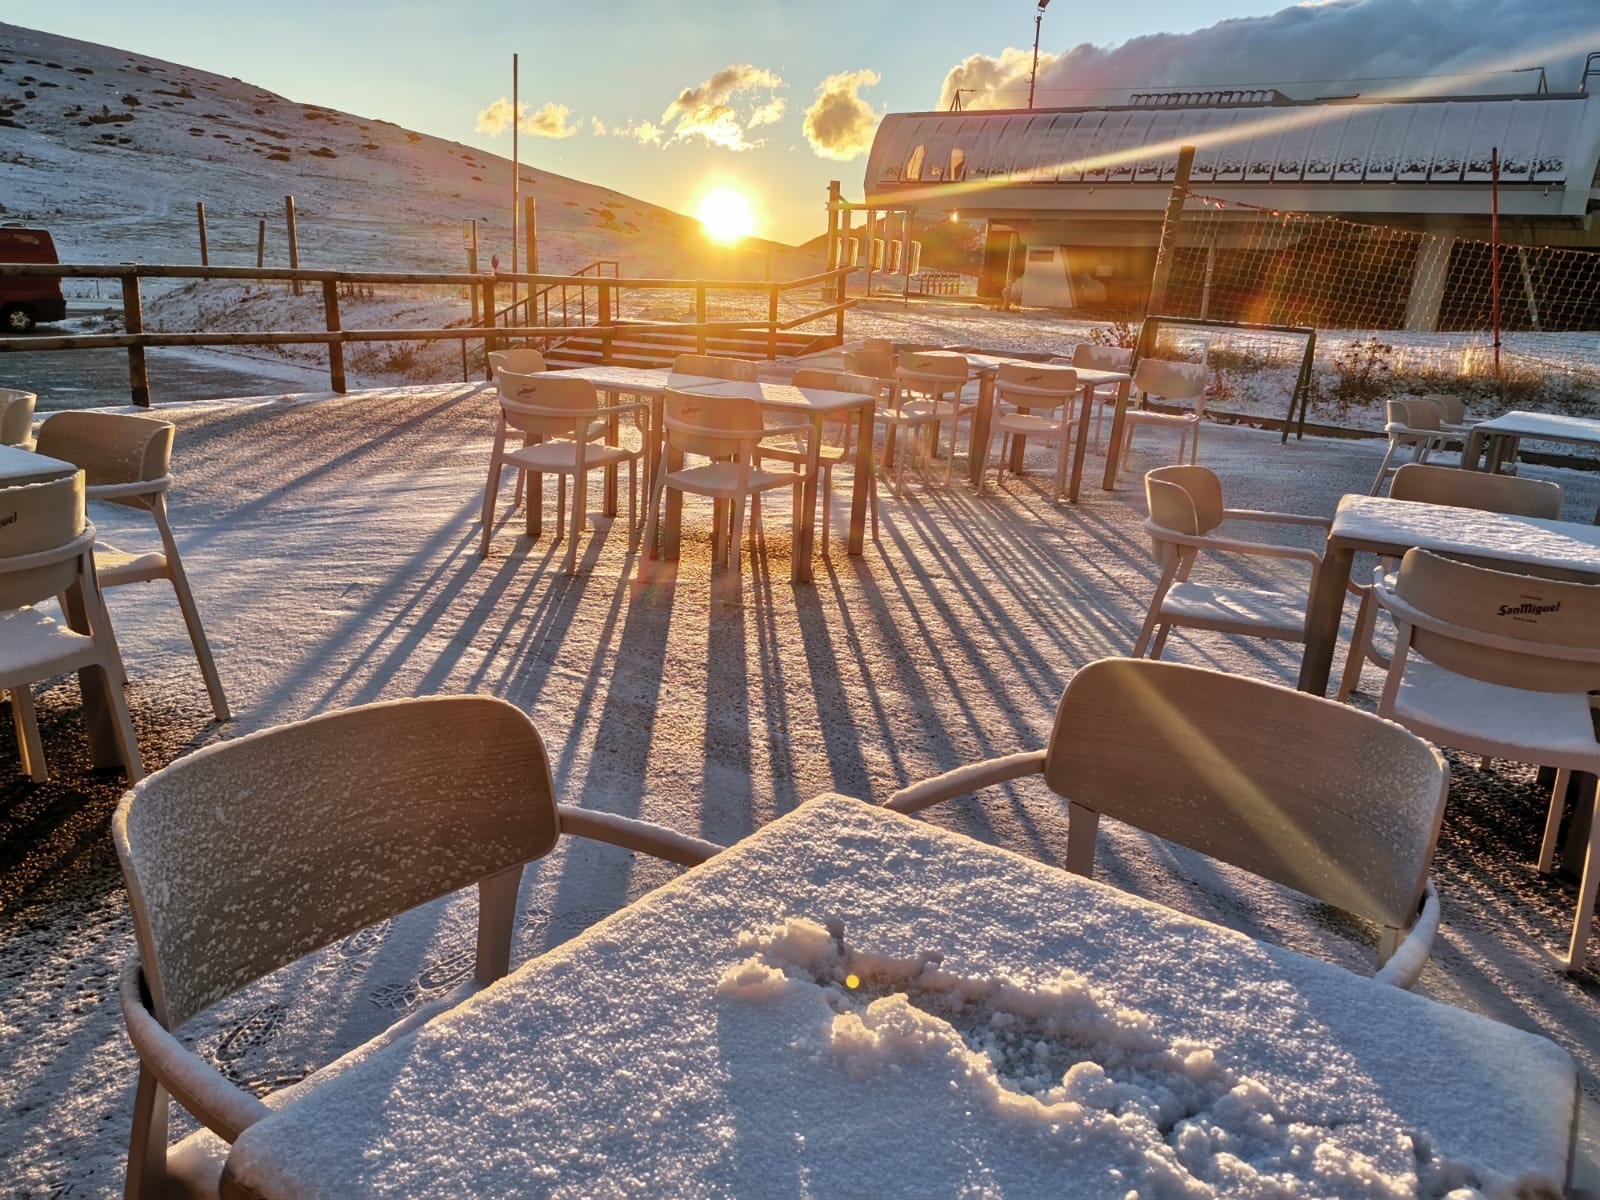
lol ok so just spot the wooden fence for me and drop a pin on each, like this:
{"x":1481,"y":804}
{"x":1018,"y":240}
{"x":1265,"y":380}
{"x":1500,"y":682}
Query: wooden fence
{"x":335,"y":337}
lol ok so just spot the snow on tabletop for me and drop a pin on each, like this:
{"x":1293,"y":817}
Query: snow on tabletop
{"x":1378,"y":520}
{"x":1560,"y":426}
{"x":850,"y":1002}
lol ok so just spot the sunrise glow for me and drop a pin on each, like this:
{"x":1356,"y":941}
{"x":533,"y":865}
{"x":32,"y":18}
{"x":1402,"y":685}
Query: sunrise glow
{"x":726,"y":215}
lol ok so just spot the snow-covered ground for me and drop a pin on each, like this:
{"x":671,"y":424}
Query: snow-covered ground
{"x":332,"y":543}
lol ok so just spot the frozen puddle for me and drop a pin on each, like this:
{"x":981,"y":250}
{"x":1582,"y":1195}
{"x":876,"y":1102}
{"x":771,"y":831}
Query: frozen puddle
{"x":1064,"y":1058}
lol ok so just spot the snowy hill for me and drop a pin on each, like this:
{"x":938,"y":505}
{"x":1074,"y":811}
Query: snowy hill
{"x":111,"y":151}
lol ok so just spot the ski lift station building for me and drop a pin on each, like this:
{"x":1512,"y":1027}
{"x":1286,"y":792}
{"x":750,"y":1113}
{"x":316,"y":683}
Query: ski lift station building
{"x":1078,"y":194}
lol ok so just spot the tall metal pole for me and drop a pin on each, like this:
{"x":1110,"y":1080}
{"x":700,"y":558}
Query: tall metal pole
{"x":1033,"y":76}
{"x":516,"y":175}
{"x":1494,"y":248}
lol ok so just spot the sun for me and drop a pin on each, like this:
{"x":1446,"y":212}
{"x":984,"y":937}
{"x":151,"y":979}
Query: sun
{"x":726,"y":215}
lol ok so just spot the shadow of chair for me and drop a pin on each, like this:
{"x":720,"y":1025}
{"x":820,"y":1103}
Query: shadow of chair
{"x":247,"y":855}
{"x":1335,"y":803}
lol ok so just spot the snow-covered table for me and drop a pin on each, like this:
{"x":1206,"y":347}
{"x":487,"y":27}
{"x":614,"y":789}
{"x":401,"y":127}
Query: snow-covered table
{"x":19,"y":466}
{"x":1379,"y":525}
{"x":982,"y":1025}
{"x":1503,"y":433}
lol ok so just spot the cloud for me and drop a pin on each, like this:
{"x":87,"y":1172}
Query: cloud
{"x":598,"y":126}
{"x":549,"y":121}
{"x":646,"y":133}
{"x":711,"y":110}
{"x":840,"y":124}
{"x":1311,"y":49}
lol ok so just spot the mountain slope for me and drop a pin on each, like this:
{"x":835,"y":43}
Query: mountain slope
{"x":111,"y":151}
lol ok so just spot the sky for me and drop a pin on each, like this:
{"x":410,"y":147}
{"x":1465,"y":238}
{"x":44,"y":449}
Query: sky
{"x":668,"y":100}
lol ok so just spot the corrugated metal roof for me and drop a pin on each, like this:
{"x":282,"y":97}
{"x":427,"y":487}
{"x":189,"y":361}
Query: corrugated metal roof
{"x":1420,"y":141}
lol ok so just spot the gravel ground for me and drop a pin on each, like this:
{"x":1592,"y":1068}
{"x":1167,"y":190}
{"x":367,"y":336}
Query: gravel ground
{"x":333,"y":547}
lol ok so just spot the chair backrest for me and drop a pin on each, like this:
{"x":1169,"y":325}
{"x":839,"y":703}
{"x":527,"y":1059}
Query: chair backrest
{"x":1503,"y":627}
{"x":115,"y":450}
{"x":879,"y":364}
{"x":1034,"y":387}
{"x":879,"y":346}
{"x":1101,"y":358}
{"x":520,"y":360}
{"x":250,"y":853}
{"x":835,"y":381}
{"x":1321,"y":797}
{"x":16,"y":416}
{"x":1184,"y":499}
{"x":1171,"y":380}
{"x":1414,"y":413}
{"x":1452,"y":408}
{"x":715,"y":426}
{"x":712,"y":367}
{"x":1430,"y":484}
{"x":933,"y":365}
{"x":43,"y":536}
{"x":550,"y":405}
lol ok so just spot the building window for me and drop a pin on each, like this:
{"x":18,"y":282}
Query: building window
{"x":914,"y":164}
{"x":958,"y":165}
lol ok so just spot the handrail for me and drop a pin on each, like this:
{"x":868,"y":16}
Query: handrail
{"x":607,"y":328}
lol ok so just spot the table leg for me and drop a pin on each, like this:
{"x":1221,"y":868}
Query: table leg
{"x":611,"y":471}
{"x":861,"y":495}
{"x":1114,"y":446}
{"x":805,"y":536}
{"x":982,"y":418}
{"x":672,"y":523}
{"x":1472,"y":453}
{"x":1018,"y":445}
{"x":1081,"y":447}
{"x":534,"y":495}
{"x":1322,"y":618}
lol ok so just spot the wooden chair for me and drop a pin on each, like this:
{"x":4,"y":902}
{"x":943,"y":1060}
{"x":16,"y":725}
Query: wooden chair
{"x":1315,"y":795}
{"x":1186,"y":507}
{"x":1167,"y":380}
{"x":246,"y":855}
{"x":560,"y":420}
{"x":830,"y":454}
{"x":1040,"y":390}
{"x":1426,"y":483}
{"x":47,"y":551}
{"x":724,"y":430}
{"x":128,"y":461}
{"x":16,"y":417}
{"x":1501,"y":665}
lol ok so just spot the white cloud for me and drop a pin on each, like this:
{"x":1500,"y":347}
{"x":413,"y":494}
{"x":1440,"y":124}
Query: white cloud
{"x":712,"y":112}
{"x":840,"y":124}
{"x":550,"y":120}
{"x":598,"y":126}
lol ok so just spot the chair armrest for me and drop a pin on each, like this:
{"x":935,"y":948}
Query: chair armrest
{"x":633,"y":834}
{"x":629,"y":406}
{"x":1229,"y":545}
{"x":769,"y":430}
{"x":965,"y":779}
{"x":1275,"y":518}
{"x":1411,"y":955}
{"x":220,"y":1106}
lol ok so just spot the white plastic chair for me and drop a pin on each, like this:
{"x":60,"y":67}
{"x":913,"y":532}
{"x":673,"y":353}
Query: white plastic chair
{"x":1186,"y":507}
{"x":711,"y":366}
{"x":1315,"y":795}
{"x":725,"y":430}
{"x":246,"y":855}
{"x":1425,"y":483}
{"x":1040,"y":390}
{"x":1412,"y":424}
{"x":1501,"y":665}
{"x":1170,"y":381}
{"x":1101,"y":358}
{"x":46,"y":551}
{"x":829,"y":454}
{"x":559,"y":418}
{"x":928,"y":393}
{"x":128,"y":461}
{"x":16,"y":417}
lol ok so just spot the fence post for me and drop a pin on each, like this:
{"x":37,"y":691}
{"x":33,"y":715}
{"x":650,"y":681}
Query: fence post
{"x":838,"y":317}
{"x":261,"y":245}
{"x":205,"y":254}
{"x":330,"y":309}
{"x":489,"y":340}
{"x":294,"y":242}
{"x":1169,"y":231}
{"x":133,"y":322}
{"x":772,"y":321}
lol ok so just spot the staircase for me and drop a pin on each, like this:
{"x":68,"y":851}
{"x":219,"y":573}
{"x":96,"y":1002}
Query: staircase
{"x":654,"y":347}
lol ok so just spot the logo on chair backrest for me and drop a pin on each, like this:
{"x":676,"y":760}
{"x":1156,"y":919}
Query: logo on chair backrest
{"x":11,"y":520}
{"x":1522,"y":611}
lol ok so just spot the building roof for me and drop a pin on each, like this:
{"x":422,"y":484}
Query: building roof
{"x":1257,"y":141}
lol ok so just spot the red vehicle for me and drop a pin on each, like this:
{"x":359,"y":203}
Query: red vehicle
{"x":25,"y":300}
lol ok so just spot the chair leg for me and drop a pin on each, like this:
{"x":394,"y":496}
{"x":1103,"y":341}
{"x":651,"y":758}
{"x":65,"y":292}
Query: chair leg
{"x":730,"y":580}
{"x":827,"y":504}
{"x":652,"y":520}
{"x":633,"y":505}
{"x":147,"y":1145}
{"x":1552,"y":821}
{"x":1587,"y":888}
{"x":491,"y":489}
{"x":121,"y":721}
{"x":29,"y":746}
{"x":580,"y":503}
{"x":1383,"y":467}
{"x":1360,"y":640}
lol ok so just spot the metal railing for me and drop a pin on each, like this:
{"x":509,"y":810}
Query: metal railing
{"x":335,"y":337}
